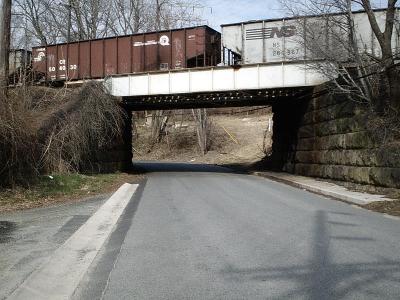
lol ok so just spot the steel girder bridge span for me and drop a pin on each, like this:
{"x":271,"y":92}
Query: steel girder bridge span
{"x":227,"y":86}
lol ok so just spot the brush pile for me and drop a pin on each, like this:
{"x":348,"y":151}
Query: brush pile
{"x":45,"y":130}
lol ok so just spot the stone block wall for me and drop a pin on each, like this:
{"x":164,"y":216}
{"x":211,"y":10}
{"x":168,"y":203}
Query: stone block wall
{"x":116,"y":155}
{"x":328,"y":137}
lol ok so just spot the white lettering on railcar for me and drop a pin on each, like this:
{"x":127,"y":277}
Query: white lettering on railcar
{"x":164,"y":41}
{"x":39,"y":57}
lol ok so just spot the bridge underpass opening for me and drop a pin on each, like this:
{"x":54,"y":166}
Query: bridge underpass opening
{"x":242,"y":133}
{"x":231,"y":136}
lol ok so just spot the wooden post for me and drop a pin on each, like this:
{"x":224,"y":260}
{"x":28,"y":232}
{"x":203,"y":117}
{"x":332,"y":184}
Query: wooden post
{"x":5,"y":28}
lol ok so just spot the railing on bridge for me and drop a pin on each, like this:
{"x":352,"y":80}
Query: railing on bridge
{"x":217,"y":79}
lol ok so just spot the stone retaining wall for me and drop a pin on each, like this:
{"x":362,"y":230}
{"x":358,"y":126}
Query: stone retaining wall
{"x":329,"y":138}
{"x":117,"y":155}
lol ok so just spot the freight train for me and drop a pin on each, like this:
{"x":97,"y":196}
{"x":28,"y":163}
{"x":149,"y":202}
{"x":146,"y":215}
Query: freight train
{"x":94,"y":59}
{"x":252,"y":42}
{"x":277,"y":40}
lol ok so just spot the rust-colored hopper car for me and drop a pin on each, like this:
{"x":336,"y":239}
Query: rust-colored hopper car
{"x":164,"y":50}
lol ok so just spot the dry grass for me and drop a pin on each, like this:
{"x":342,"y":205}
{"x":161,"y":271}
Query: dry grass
{"x":233,"y":138}
{"x":55,"y":189}
{"x":388,"y":207}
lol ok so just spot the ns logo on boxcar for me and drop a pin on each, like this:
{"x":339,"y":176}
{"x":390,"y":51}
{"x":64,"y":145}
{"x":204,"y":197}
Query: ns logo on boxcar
{"x":271,"y":32}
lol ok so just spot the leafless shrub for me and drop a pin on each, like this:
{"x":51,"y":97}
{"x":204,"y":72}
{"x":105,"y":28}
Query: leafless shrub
{"x":18,"y":147}
{"x":85,"y":125}
{"x":385,"y":128}
{"x":182,"y":141}
{"x":55,"y":130}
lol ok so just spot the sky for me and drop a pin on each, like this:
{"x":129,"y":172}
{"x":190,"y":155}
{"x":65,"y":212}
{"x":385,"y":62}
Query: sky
{"x":217,"y":12}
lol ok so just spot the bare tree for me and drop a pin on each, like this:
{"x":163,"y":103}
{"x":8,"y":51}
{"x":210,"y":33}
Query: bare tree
{"x":203,"y":128}
{"x":333,"y":35}
{"x":47,"y":19}
{"x":40,"y":16}
{"x":101,"y":18}
{"x":130,"y":16}
{"x":387,"y":58}
{"x":5,"y":30}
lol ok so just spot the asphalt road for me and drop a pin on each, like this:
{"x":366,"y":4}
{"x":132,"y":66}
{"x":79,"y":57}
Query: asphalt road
{"x":198,"y":232}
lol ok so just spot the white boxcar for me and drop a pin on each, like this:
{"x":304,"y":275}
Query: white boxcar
{"x":279,"y":40}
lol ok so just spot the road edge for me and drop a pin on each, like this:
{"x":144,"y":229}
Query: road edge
{"x":94,"y":284}
{"x":60,"y":275}
{"x":320,"y":191}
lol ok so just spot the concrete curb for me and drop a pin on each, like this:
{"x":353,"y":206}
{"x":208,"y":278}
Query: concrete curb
{"x":61,"y":274}
{"x":323,"y":188}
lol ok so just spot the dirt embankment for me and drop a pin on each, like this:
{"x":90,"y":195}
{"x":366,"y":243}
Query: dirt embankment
{"x":235,"y":137}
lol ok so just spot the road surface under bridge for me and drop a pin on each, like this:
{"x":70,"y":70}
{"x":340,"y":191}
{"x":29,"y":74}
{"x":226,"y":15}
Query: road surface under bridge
{"x":241,"y":85}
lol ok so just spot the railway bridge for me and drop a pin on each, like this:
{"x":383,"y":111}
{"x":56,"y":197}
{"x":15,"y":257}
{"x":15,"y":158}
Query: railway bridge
{"x":285,"y":86}
{"x":238,"y":85}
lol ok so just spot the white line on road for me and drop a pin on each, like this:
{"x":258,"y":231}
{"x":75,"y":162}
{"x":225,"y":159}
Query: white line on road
{"x":61,"y":274}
